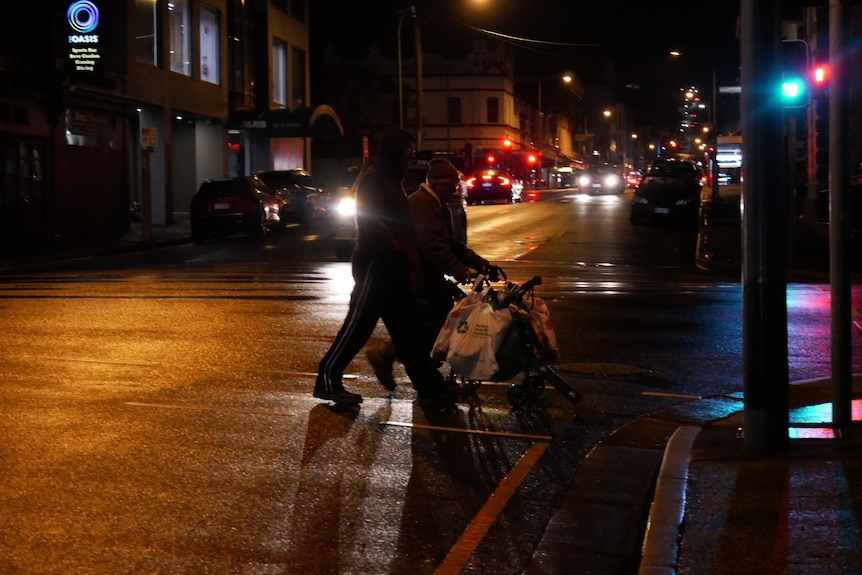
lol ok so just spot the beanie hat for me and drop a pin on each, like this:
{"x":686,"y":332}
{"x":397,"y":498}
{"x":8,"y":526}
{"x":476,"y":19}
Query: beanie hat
{"x":441,"y":171}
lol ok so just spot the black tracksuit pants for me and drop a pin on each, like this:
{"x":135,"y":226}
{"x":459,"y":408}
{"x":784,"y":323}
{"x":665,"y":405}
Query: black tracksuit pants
{"x":381,"y":292}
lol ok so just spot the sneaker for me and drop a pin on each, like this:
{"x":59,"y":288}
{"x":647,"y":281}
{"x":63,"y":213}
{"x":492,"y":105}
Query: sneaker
{"x":381,"y":359}
{"x":340,"y":396}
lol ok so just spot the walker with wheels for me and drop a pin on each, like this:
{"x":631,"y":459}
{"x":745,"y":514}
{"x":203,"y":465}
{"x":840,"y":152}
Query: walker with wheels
{"x":524,"y":347}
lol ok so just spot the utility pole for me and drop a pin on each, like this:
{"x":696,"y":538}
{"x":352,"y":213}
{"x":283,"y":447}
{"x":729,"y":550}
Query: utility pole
{"x":839,"y":214}
{"x":764,"y":227}
{"x":420,"y":98}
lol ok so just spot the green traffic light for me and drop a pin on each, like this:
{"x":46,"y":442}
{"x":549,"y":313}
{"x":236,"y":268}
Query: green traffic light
{"x":793,"y":90}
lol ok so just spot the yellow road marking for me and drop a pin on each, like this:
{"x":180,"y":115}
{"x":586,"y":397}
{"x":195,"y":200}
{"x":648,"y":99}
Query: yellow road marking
{"x":462,"y":430}
{"x":476,"y":530}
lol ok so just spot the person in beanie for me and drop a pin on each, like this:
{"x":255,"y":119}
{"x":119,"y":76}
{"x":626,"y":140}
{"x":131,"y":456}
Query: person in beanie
{"x":385,"y":263}
{"x":441,"y":255}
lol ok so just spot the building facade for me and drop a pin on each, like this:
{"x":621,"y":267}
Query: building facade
{"x":107,"y":104}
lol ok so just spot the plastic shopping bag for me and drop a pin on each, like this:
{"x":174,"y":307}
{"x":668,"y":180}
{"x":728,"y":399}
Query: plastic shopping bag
{"x":474,"y":341}
{"x":540,"y":319}
{"x":461,"y":308}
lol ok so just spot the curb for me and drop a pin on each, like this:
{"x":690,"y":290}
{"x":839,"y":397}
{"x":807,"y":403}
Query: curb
{"x":661,"y":541}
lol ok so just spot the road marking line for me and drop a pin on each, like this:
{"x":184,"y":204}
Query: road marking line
{"x":462,"y":430}
{"x":679,"y":395}
{"x":478,"y":528}
{"x":205,"y":408}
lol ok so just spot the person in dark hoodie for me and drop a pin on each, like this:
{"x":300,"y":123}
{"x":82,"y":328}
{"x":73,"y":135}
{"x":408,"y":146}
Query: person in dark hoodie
{"x":386,"y":264}
{"x":442,"y":255}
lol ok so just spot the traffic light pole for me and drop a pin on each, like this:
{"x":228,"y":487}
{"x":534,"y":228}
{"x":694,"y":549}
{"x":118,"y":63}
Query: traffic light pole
{"x":764,"y":234}
{"x":839,"y":216}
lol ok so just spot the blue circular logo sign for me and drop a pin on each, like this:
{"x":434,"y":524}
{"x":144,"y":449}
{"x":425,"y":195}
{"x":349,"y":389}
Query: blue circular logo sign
{"x":83,"y":16}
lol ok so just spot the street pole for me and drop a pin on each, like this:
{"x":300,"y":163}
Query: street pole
{"x":764,"y":235}
{"x":400,"y":74}
{"x":713,"y":120}
{"x":839,"y":214}
{"x":540,"y":129}
{"x":420,"y":96}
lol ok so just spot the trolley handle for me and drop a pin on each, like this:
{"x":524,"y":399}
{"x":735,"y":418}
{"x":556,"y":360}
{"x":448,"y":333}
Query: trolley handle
{"x":517,"y":294}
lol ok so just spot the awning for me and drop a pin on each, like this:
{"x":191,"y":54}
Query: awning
{"x":320,"y":122}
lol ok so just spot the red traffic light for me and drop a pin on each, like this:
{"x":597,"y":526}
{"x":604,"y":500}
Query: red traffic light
{"x":820,"y":75}
{"x":491,"y":159}
{"x":531,"y":158}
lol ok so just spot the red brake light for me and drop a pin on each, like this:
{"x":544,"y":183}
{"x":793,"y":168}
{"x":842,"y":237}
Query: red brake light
{"x":504,"y":181}
{"x":471,"y":181}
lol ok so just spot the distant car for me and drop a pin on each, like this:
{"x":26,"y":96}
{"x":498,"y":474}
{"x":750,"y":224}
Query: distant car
{"x":669,"y":192}
{"x":633,"y":178}
{"x":489,"y":185}
{"x":601,"y":179}
{"x":302,"y":197}
{"x":223,"y":207}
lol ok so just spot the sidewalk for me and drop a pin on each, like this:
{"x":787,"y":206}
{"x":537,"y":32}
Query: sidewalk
{"x":19,"y":256}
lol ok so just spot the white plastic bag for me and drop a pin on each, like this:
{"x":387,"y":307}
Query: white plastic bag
{"x":474,"y":340}
{"x":462,"y":307}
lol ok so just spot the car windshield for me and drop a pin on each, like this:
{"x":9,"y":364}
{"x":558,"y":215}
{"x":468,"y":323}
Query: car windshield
{"x":672,"y":169}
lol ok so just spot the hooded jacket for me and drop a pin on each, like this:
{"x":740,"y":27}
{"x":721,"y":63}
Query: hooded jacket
{"x":384,"y":228}
{"x":441,"y":252}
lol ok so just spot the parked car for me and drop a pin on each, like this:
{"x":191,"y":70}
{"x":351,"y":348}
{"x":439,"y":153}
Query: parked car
{"x":223,"y":207}
{"x":601,"y":179}
{"x":670,"y":191}
{"x":302,"y":197}
{"x":488,"y":185}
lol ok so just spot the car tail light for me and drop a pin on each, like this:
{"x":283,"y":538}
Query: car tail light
{"x":504,"y":181}
{"x":471,"y":181}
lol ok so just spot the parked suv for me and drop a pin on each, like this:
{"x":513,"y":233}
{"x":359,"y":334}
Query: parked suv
{"x":223,"y":207}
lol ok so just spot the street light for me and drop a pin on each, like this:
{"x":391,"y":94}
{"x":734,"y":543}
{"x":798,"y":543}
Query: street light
{"x":412,"y":10}
{"x":419,"y":87}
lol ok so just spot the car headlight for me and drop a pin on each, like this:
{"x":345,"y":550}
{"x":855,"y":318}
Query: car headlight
{"x":584,"y":181}
{"x":612,"y":181}
{"x":346,"y":207}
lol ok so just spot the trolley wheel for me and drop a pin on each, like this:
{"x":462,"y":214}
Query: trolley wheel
{"x":535,"y":385}
{"x":519,"y":395}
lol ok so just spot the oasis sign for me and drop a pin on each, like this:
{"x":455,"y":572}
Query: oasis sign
{"x":83,"y":52}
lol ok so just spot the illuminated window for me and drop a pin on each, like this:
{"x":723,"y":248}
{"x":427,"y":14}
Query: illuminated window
{"x":146,"y":32}
{"x":180,"y":32}
{"x":210,"y":36}
{"x":279,"y":72}
{"x":297,"y":78}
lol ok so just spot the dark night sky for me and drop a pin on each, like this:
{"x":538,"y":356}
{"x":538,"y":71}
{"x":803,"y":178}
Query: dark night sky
{"x":630,"y":38}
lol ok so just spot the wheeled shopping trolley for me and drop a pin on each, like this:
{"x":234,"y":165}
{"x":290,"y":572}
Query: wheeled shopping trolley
{"x":525,"y":348}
